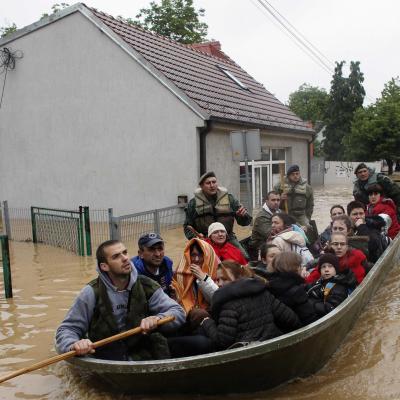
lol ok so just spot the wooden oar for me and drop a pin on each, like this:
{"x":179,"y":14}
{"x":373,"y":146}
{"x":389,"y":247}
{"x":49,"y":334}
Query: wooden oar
{"x":72,"y":353}
{"x":282,"y":182}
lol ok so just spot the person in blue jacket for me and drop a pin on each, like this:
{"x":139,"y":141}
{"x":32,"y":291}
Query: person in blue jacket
{"x":152,"y":262}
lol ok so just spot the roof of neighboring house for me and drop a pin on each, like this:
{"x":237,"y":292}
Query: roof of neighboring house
{"x":200,"y":76}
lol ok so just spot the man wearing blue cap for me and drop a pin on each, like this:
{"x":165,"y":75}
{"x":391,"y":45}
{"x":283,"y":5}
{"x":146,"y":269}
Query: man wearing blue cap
{"x":152,"y":262}
{"x":298,"y":195}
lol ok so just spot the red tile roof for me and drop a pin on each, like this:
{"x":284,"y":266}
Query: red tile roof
{"x":198,"y":75}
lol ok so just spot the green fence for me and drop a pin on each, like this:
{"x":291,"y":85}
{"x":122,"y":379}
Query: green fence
{"x":5,"y":257}
{"x":68,"y":229}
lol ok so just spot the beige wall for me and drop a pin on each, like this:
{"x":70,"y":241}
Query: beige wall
{"x":219,"y":153}
{"x":83,"y":123}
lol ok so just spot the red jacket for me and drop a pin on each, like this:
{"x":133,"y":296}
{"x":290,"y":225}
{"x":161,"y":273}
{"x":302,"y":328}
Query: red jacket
{"x":228,"y":252}
{"x":353,"y":260}
{"x":386,"y":206}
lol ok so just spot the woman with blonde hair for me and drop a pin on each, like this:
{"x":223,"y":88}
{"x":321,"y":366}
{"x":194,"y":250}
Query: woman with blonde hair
{"x":287,"y":285}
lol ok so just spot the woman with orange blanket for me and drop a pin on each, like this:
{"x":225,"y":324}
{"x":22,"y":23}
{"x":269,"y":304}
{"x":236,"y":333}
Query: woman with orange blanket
{"x":194,"y":278}
{"x":194,"y":286}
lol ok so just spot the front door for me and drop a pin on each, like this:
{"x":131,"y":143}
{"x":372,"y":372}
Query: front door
{"x":261,"y":184}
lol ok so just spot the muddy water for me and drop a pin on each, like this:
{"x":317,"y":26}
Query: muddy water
{"x":47,"y":279}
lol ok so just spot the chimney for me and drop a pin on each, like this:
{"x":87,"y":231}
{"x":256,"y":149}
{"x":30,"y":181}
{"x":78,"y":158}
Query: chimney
{"x":213,"y":48}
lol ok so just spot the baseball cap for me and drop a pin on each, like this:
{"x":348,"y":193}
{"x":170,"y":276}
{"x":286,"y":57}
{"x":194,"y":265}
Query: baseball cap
{"x":150,"y":239}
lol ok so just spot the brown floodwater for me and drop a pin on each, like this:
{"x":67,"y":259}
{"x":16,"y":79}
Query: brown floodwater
{"x":46,"y":280}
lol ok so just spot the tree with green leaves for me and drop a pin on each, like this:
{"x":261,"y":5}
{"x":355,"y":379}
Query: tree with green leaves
{"x":6,"y":30}
{"x":54,"y":9}
{"x":375,"y":131}
{"x":309,"y":103}
{"x":345,"y":97}
{"x":176,"y":19}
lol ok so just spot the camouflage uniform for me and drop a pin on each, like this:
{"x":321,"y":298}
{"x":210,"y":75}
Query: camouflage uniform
{"x":390,"y":188}
{"x":202,"y":211}
{"x":300,"y":200}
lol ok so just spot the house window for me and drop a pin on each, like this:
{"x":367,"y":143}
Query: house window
{"x":230,"y":75}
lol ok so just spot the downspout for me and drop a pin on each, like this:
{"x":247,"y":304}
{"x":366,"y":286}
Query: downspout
{"x":203,"y":131}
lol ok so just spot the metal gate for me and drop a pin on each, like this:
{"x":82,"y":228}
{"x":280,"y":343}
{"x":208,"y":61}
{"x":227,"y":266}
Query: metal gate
{"x":68,"y":229}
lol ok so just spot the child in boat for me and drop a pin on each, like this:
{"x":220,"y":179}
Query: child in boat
{"x":333,"y":287}
{"x":267,"y":254}
{"x":243,"y":310}
{"x":349,"y":258}
{"x":287,"y":285}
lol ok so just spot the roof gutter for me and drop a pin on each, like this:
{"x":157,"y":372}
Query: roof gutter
{"x":203,"y":132}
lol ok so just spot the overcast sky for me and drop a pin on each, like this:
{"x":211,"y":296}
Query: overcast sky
{"x":359,"y":30}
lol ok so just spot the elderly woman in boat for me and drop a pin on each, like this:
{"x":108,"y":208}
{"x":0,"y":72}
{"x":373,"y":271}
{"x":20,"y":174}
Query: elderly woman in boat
{"x":289,"y":237}
{"x":349,"y":258}
{"x":218,"y":239}
{"x":243,"y":310}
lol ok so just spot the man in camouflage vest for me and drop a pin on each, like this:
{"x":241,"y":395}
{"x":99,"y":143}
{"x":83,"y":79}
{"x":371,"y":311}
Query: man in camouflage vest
{"x":298,"y":195}
{"x":213,"y":203}
{"x":117,"y":300}
{"x":367,"y":177}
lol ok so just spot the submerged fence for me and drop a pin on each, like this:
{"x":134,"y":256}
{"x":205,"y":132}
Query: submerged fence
{"x":128,"y":228}
{"x":68,"y":229}
{"x":72,"y":231}
{"x":5,"y":261}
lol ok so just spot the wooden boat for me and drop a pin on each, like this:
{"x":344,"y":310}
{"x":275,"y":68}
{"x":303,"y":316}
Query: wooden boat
{"x":255,"y":367}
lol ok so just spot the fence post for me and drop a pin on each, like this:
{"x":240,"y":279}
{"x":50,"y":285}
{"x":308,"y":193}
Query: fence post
{"x":110,"y":222}
{"x":1,"y":219}
{"x":116,"y":231}
{"x":5,"y":251}
{"x":157,"y":228}
{"x":88,"y":235}
{"x":7,"y":219}
{"x":33,"y":220}
{"x":81,"y":249}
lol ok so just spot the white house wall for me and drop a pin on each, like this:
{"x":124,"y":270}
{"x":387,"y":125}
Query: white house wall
{"x":82,"y":123}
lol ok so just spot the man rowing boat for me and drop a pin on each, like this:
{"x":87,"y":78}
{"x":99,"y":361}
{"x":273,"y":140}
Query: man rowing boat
{"x":117,"y":300}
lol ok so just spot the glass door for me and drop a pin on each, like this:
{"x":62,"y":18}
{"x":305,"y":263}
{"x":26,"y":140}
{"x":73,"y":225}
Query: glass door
{"x":261,"y":183}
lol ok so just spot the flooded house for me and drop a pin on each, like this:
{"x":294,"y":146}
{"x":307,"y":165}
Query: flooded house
{"x":102,"y":113}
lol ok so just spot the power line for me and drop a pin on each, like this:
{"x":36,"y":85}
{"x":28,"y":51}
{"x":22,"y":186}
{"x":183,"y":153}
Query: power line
{"x":297,"y":37}
{"x":301,"y":35}
{"x":284,"y":31}
{"x":306,"y":48}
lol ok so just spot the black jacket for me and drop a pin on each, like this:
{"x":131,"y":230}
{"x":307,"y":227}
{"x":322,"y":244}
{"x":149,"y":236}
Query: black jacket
{"x":372,"y":229}
{"x":344,"y":284}
{"x":245,"y":311}
{"x":289,"y":288}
